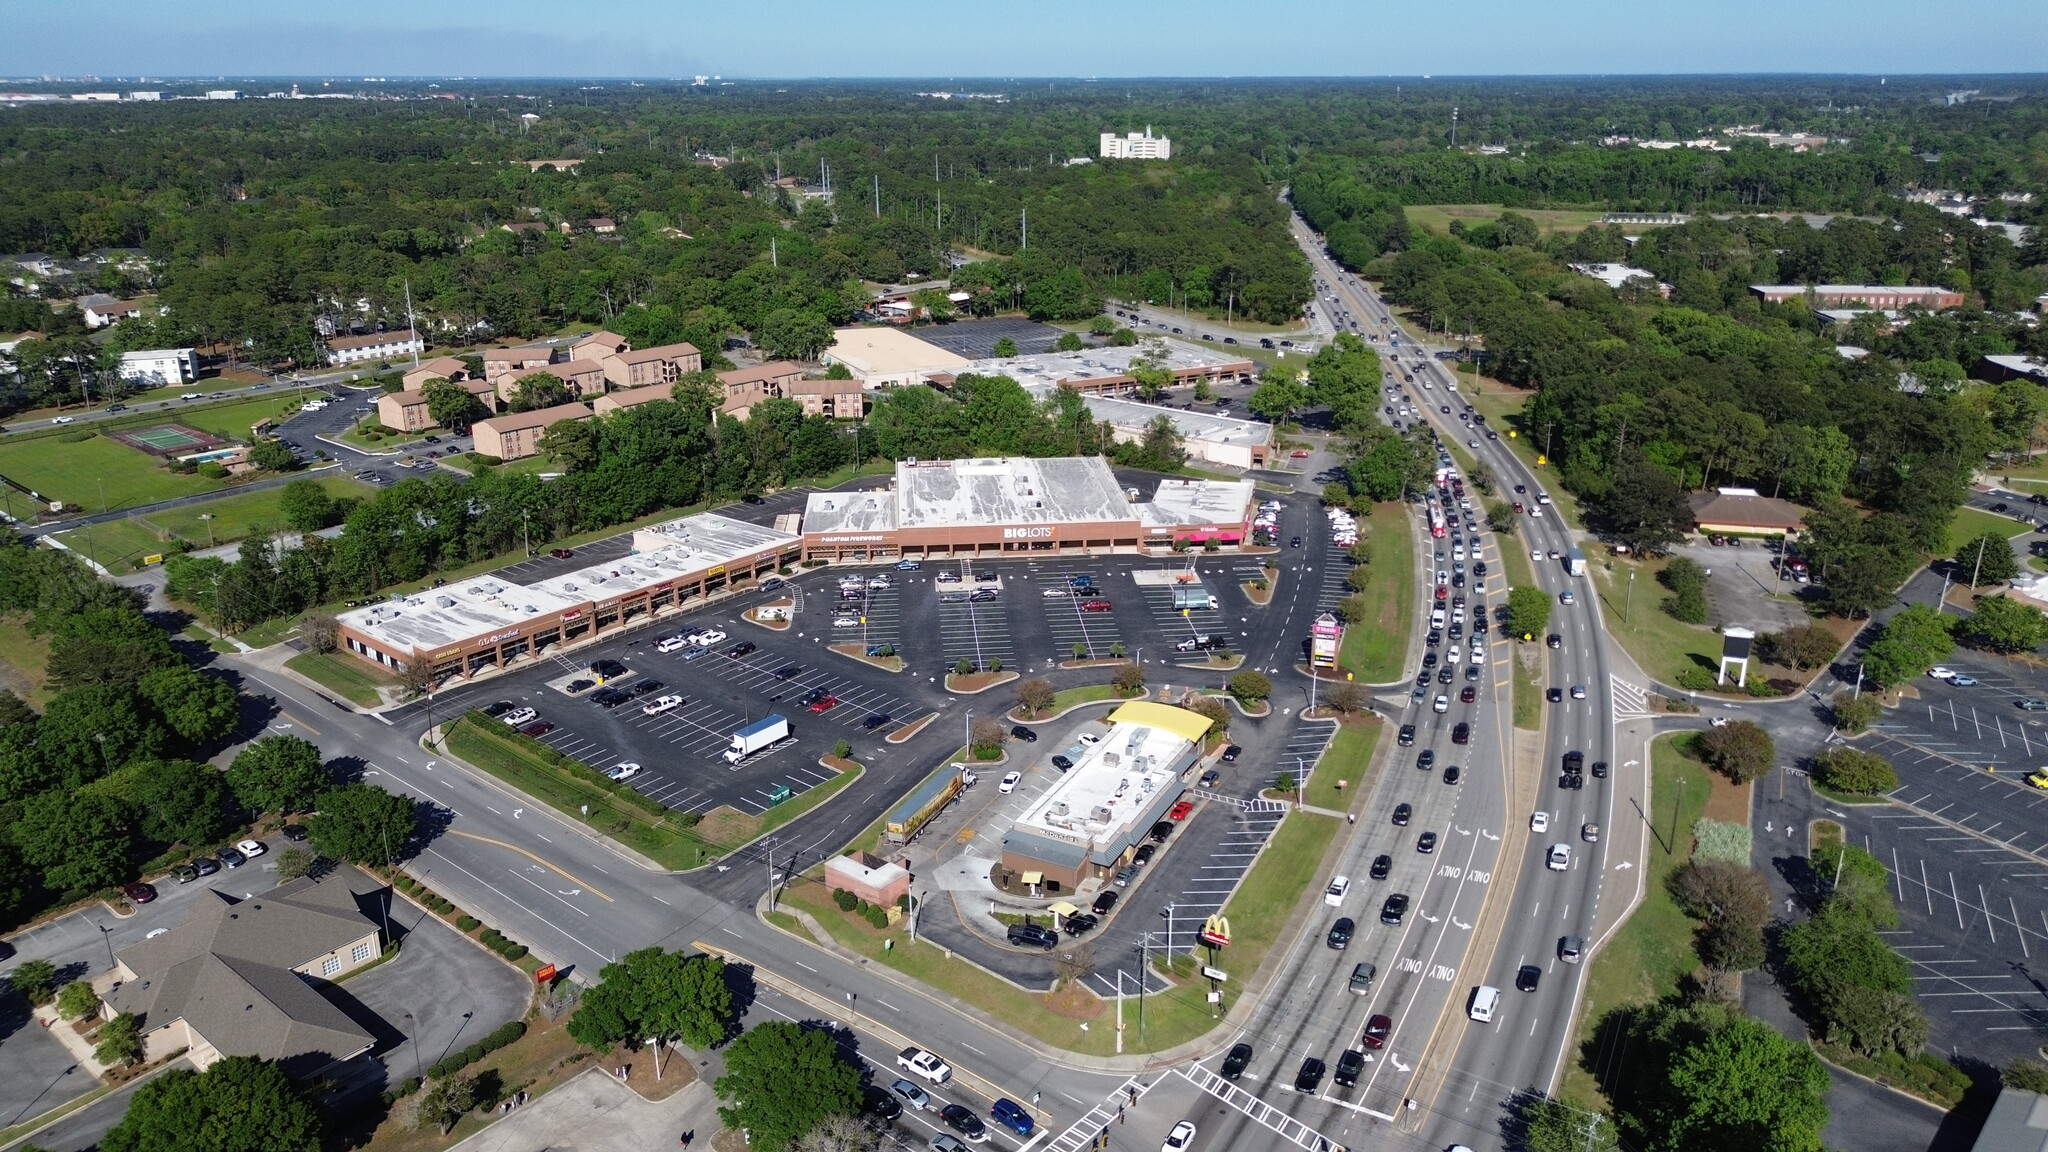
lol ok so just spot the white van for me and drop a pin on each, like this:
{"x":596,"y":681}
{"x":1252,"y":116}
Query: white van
{"x":1485,"y":999}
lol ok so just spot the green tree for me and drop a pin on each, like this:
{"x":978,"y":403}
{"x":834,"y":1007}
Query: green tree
{"x":201,"y":709}
{"x":1528,"y":611}
{"x":110,"y":645}
{"x":1688,"y":584}
{"x":1915,"y":639}
{"x":445,"y":1102}
{"x":1645,"y":509}
{"x":1852,"y":713}
{"x":272,"y":456}
{"x":793,"y":334}
{"x":1500,"y":516}
{"x":1251,"y":687}
{"x":1846,"y":769}
{"x":653,"y":993}
{"x":1743,"y":1086}
{"x":1986,"y":559}
{"x":36,"y":980}
{"x":1128,"y":679}
{"x":2002,"y":624}
{"x":1069,"y":342}
{"x":293,"y":863}
{"x":1740,"y":750}
{"x":1801,"y":647}
{"x":178,"y":801}
{"x":364,"y":824}
{"x":1874,"y":1022}
{"x":76,"y":1000}
{"x":305,"y":506}
{"x":1102,"y":325}
{"x":1035,"y":695}
{"x":1214,"y":710}
{"x":781,"y":1081}
{"x":450,"y":405}
{"x":2026,"y":1074}
{"x":1838,"y":945}
{"x":120,"y":1041}
{"x":80,"y":840}
{"x":1279,"y":396}
{"x":537,"y":390}
{"x":279,"y":774}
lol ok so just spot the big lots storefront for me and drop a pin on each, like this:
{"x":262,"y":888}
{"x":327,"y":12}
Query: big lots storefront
{"x":1000,"y":507}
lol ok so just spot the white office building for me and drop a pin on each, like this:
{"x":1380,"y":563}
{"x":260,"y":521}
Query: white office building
{"x":159,"y":366}
{"x":1136,"y":146}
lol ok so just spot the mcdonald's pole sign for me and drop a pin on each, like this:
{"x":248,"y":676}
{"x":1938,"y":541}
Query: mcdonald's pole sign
{"x":1216,"y":932}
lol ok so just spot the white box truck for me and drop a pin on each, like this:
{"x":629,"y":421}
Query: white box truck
{"x":1192,"y":596}
{"x":1575,"y":562}
{"x":763,"y":733}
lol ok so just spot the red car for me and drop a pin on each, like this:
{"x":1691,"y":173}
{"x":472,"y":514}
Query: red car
{"x":824,"y":703}
{"x":538,"y":728}
{"x":1180,"y":810}
{"x":1376,"y":1031}
{"x":1095,"y":606}
{"x":560,"y":553}
{"x":1442,"y":593}
{"x":138,"y":893}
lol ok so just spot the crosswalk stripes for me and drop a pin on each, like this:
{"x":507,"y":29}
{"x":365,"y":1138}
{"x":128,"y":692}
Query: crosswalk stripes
{"x":1088,"y":1131}
{"x":1280,"y":1123}
{"x":1630,"y":700}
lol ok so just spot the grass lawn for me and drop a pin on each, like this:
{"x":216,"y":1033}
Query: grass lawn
{"x":359,"y":437}
{"x":1969,"y":523}
{"x":1338,"y":779}
{"x":1437,"y":217}
{"x":1086,"y":694}
{"x":233,"y":420}
{"x":1528,"y":682}
{"x":1376,"y":650}
{"x":354,"y":680}
{"x":1662,"y":645}
{"x":83,"y":472}
{"x":121,"y":544}
{"x":1654,"y":949}
{"x":1258,"y":911}
{"x":28,"y":656}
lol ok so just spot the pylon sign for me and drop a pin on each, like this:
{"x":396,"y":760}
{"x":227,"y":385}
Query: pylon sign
{"x":1216,"y":931}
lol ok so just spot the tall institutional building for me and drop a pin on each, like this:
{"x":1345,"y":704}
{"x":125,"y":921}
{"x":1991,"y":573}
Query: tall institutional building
{"x":1136,"y":146}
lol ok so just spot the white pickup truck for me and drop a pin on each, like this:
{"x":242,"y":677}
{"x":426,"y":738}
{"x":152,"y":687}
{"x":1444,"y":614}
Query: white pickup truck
{"x":919,"y":1062}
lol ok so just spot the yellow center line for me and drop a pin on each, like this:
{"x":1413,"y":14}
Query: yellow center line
{"x":562,"y":872}
{"x":301,"y":723}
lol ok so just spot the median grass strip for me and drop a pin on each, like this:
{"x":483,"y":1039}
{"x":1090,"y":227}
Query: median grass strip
{"x":353,"y":680}
{"x":1528,"y":680}
{"x":1338,"y":779}
{"x":1258,"y":912}
{"x":1653,"y":951}
{"x":1375,"y":648}
{"x":1661,"y":644}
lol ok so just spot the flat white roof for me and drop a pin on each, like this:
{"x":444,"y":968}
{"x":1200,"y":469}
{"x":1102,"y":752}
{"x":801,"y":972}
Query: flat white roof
{"x":883,"y":351}
{"x":1613,"y":275}
{"x":980,"y":491}
{"x":482,"y":605}
{"x":1041,"y":372}
{"x":1208,"y":427}
{"x":1199,"y":502}
{"x":1110,"y":788}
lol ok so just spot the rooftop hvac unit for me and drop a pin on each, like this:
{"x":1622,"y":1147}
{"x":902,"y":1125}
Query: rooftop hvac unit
{"x":1059,"y":808}
{"x":1099,"y":814}
{"x":1122,"y":786}
{"x":1110,"y":758}
{"x":1146,"y":784}
{"x":444,"y":601}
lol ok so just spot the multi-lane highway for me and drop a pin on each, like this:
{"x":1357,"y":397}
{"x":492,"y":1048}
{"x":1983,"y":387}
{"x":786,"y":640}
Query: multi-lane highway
{"x":1471,"y":1068}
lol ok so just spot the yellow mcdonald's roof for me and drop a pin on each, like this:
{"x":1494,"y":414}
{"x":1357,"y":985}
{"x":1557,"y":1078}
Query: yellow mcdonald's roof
{"x":1189,"y":726}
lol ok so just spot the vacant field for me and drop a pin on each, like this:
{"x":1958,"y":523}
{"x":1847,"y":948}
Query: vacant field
{"x":1438,"y":217}
{"x":1969,"y":523}
{"x":1375,"y":649}
{"x":1661,"y":644}
{"x":233,"y":420}
{"x":95,"y":473}
{"x":121,"y":544}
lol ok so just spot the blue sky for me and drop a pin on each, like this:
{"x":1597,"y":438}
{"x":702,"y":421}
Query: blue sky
{"x":964,"y":38}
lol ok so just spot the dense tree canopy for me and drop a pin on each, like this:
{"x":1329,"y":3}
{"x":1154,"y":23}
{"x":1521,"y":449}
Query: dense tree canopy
{"x":239,"y":1104}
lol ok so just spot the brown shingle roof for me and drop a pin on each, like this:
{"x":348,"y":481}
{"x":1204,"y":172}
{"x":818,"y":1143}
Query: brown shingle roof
{"x":1745,"y":510}
{"x":663,"y":352}
{"x":772,"y":370}
{"x":538,"y":418}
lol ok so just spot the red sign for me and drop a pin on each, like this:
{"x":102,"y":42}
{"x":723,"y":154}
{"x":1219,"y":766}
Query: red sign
{"x":545,"y":974}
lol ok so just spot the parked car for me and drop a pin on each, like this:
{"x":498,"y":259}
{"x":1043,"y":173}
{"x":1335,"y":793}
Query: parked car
{"x":1230,"y":754}
{"x":1104,"y":901}
{"x":1033,"y":936}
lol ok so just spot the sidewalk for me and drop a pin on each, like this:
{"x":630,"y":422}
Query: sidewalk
{"x":596,"y":1113}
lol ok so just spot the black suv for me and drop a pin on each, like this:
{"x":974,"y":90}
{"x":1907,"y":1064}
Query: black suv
{"x":608,"y":668}
{"x":1381,"y":865}
{"x":1401,"y":814}
{"x":1033,"y":936}
{"x":1395,"y":907}
{"x":1407,"y":737}
{"x":609,"y":697}
{"x":1310,"y":1077}
{"x":741,"y":649}
{"x":875,"y":721}
{"x":1574,"y":763}
{"x":1020,"y":732}
{"x":1234,"y":1064}
{"x":1349,"y":1065}
{"x":1426,"y":759}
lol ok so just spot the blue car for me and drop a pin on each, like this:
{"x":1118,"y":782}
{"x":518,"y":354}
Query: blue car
{"x":909,"y":565}
{"x":1012,"y":1115}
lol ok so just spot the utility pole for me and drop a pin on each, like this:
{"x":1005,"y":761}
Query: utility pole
{"x":1979,"y":566}
{"x":768,"y":852}
{"x":1023,"y":229}
{"x":1144,"y":966}
{"x":1454,"y":125}
{"x":412,"y":330}
{"x":1629,"y":603}
{"x":878,"y":195}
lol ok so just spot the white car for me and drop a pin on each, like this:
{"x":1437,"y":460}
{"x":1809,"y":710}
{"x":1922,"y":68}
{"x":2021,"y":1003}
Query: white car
{"x":878,"y":581}
{"x":1089,"y":738}
{"x":64,"y":420}
{"x":189,"y":396}
{"x":1560,"y":857}
{"x":1180,"y":1138}
{"x":846,"y":621}
{"x":623,"y":770}
{"x":1567,"y":598}
{"x":1942,"y":672}
{"x":708,"y":636}
{"x":518,"y":716}
{"x":662,"y":704}
{"x":1543,"y":497}
{"x":1472,"y":444}
{"x":1536,"y":512}
{"x":1334,"y":894}
{"x":251,"y":848}
{"x":1009,"y":783}
{"x":1443,"y":703}
{"x":1536,"y":554}
{"x":1539,"y":822}
{"x":1051,"y":593}
{"x":672,"y":643}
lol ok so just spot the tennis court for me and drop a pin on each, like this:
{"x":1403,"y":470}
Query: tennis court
{"x":166,"y":439}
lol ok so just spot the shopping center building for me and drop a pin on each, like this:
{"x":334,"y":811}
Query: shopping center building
{"x":1017,"y":506}
{"x":494,"y":621}
{"x":1087,"y":825}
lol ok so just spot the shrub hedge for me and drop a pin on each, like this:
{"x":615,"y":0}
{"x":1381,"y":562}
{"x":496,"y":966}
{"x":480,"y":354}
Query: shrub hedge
{"x":498,"y":1038}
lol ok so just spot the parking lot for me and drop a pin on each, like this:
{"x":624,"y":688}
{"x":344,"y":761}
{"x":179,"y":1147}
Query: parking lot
{"x":976,"y":339}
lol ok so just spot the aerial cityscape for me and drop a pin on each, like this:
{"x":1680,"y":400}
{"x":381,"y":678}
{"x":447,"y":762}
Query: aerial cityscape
{"x":646,"y":582}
